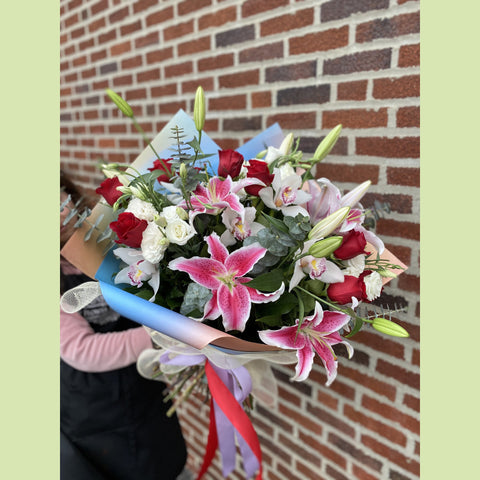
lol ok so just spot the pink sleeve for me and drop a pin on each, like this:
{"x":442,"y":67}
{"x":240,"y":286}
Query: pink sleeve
{"x":88,"y":351}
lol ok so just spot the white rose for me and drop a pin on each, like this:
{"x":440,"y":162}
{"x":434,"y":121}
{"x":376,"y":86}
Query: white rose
{"x":154,"y":243}
{"x":179,"y":232}
{"x":373,"y":285}
{"x":170,"y":214}
{"x":354,"y":266}
{"x":142,"y":210}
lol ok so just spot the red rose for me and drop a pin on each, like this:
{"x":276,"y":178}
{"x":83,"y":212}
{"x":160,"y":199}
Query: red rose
{"x":230,"y":163}
{"x":108,"y":189}
{"x":158,"y":165}
{"x":258,"y":169}
{"x":342,"y":292}
{"x":353,"y":244}
{"x":129,"y":229}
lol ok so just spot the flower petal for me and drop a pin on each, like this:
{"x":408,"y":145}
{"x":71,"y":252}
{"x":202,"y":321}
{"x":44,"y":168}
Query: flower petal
{"x":201,"y":270}
{"x":216,"y":248}
{"x":285,"y":337}
{"x":328,"y":358}
{"x":243,"y":260}
{"x":235,"y":306}
{"x":304,"y":364}
{"x":128,"y":255}
{"x":212,"y":310}
{"x":332,"y":274}
{"x":260,"y":297}
{"x":331,"y":322}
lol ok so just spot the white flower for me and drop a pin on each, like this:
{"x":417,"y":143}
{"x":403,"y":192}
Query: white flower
{"x":179,"y":232}
{"x":171,"y":213}
{"x":138,"y":270}
{"x":239,"y":226}
{"x":154,"y":243}
{"x":354,"y":266}
{"x":285,"y":194}
{"x":142,"y":210}
{"x":373,"y":285}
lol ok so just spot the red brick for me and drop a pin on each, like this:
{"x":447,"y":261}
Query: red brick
{"x":120,"y":48}
{"x":355,"y":118}
{"x":348,"y":173}
{"x":86,"y":44}
{"x":188,"y":6}
{"x":380,"y":428}
{"x":372,"y":383}
{"x":159,"y":17}
{"x":79,"y":61}
{"x":411,"y":283}
{"x":327,"y":400}
{"x":123,"y":80}
{"x":416,"y":357}
{"x":98,"y":55}
{"x":191,"y":86}
{"x":409,"y":56}
{"x":130,"y":28}
{"x":252,"y":7}
{"x":107,"y":36}
{"x":128,"y":143}
{"x":323,"y":450}
{"x":362,"y":474}
{"x":301,"y":449}
{"x":395,"y":228}
{"x":264,"y":52}
{"x":403,"y":176}
{"x":284,"y":23}
{"x":132,"y":62}
{"x":388,"y":453}
{"x":337,"y":9}
{"x":232,"y":102}
{"x":396,"y":147}
{"x":148,"y":75}
{"x":141,"y":5}
{"x":401,"y":252}
{"x":408,"y":117}
{"x":178,"y":30}
{"x":157,"y":56}
{"x":118,"y":15}
{"x":305,"y":421}
{"x":319,"y":41}
{"x":213,"y":63}
{"x":78,"y":32}
{"x":380,"y":344}
{"x":99,"y":6}
{"x":412,"y":402}
{"x":218,"y":18}
{"x":405,"y":24}
{"x":194,"y":46}
{"x":240,"y":79}
{"x":306,"y":472}
{"x":172,"y":107}
{"x":358,"y":62}
{"x":402,"y":375}
{"x":69,"y":21}
{"x":295,"y":120}
{"x":178,"y":69}
{"x":261,"y":99}
{"x":402,"y":87}
{"x":146,"y":40}
{"x":356,"y":90}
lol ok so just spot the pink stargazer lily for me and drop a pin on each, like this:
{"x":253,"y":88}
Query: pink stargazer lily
{"x":223,"y":274}
{"x":317,"y":333}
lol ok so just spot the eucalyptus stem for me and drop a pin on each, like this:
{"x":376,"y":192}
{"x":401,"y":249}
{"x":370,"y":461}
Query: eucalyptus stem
{"x":187,"y":392}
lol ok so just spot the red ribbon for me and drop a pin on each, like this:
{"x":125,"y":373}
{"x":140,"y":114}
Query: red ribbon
{"x":237,"y":416}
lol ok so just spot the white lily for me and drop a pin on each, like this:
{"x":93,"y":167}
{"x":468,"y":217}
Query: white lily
{"x":239,"y":225}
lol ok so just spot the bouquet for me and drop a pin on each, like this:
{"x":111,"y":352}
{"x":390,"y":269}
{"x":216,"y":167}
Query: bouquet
{"x":221,"y":253}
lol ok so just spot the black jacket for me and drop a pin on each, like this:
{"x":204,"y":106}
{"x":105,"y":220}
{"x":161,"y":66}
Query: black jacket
{"x":114,"y":424}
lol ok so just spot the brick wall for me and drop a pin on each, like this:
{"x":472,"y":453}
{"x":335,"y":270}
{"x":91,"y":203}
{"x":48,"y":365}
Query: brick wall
{"x":307,"y":65}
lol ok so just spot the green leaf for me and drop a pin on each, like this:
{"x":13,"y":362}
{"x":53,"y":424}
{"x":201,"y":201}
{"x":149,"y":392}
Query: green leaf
{"x":356,"y":328}
{"x":276,"y":223}
{"x":270,"y":320}
{"x":267,"y":282}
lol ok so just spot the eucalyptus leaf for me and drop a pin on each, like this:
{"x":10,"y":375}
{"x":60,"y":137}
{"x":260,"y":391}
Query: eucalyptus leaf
{"x":267,"y":282}
{"x":275,"y":222}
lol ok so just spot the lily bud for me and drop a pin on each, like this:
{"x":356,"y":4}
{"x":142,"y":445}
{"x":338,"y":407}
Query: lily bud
{"x":261,"y":154}
{"x":287,"y":143}
{"x":354,"y":196}
{"x":327,"y":144}
{"x":181,"y":213}
{"x":390,"y":328}
{"x":325,"y":247}
{"x":183,"y":171}
{"x":199,"y":109}
{"x":328,"y":224}
{"x":120,"y":103}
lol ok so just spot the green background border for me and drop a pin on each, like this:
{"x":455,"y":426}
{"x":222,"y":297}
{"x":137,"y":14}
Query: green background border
{"x":29,"y":103}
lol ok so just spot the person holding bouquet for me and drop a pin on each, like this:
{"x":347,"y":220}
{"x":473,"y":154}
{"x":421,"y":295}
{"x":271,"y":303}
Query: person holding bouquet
{"x":113,"y":422}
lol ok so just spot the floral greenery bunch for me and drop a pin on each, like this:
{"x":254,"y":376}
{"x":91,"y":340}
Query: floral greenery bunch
{"x":260,"y":250}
